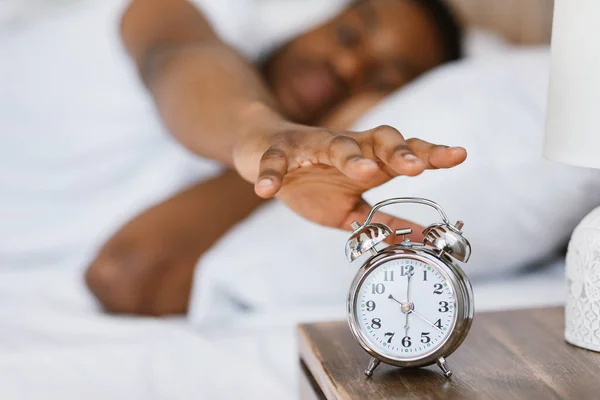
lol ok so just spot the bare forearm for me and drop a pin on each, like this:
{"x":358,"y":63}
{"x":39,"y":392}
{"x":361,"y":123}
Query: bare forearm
{"x":206,"y":93}
{"x":147,"y":267}
{"x":208,"y":98}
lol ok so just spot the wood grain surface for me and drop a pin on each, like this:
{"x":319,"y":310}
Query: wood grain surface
{"x":507,"y":355}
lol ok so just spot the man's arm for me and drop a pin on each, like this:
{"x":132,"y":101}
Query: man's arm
{"x":206,"y":93}
{"x":214,"y":102}
{"x":147,"y":266}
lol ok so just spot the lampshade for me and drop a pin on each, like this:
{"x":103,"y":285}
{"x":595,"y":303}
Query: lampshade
{"x":573,"y":121}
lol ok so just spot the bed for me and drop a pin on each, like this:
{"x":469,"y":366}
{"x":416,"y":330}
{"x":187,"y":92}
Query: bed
{"x":55,"y":343}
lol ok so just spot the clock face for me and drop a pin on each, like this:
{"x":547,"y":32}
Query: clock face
{"x":405,"y":309}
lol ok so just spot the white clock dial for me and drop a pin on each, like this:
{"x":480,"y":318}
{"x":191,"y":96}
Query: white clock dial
{"x":405,"y":309}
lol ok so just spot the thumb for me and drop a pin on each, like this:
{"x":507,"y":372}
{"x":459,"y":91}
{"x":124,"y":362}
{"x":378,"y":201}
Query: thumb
{"x":362,"y":210}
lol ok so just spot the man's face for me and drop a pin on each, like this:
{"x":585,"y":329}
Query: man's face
{"x":376,"y":45}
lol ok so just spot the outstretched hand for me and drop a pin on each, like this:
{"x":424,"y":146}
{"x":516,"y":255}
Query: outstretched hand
{"x":321,"y":175}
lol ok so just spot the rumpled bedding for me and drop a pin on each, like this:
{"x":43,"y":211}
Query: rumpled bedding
{"x":56,"y":344}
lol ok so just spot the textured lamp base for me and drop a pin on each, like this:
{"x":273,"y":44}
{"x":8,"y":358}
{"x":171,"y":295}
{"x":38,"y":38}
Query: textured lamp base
{"x":582,"y":311}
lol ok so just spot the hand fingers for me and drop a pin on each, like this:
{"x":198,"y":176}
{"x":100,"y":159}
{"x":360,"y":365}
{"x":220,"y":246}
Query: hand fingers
{"x":391,"y":148}
{"x":362,"y":210}
{"x":437,"y":156}
{"x":272,"y":169}
{"x":345,"y":155}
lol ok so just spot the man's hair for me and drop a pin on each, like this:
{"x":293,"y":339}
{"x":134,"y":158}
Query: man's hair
{"x":447,"y":25}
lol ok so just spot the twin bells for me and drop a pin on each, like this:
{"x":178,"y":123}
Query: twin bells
{"x":443,"y":237}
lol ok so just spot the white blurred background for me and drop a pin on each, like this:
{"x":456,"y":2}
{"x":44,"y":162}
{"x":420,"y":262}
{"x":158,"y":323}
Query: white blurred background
{"x":249,"y":292}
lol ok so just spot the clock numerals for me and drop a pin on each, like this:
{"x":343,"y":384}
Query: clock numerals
{"x":443,"y":306}
{"x":406,"y":341}
{"x":377,"y":288}
{"x":407,"y":269}
{"x":371,"y":305}
{"x":388,"y":276}
{"x":381,"y":296}
{"x":376,"y":323}
{"x":391,"y":335}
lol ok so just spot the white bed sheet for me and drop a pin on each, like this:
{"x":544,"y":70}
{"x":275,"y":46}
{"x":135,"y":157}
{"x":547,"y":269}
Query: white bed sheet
{"x":56,"y":344}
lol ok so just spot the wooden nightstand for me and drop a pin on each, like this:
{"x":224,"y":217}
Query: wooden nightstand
{"x":507,"y":355}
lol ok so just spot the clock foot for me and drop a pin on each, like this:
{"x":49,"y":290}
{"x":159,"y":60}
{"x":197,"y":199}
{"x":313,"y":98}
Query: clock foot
{"x":372,"y":365}
{"x":441,"y":362}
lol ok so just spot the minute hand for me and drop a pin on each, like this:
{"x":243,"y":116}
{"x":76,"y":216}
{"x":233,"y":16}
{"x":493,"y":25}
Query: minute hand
{"x":406,"y":326}
{"x":425,"y":319}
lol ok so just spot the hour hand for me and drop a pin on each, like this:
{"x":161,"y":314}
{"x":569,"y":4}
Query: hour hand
{"x":393,"y":298}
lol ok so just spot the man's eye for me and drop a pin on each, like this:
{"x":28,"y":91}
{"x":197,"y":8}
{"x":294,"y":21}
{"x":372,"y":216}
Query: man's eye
{"x":347,"y":36}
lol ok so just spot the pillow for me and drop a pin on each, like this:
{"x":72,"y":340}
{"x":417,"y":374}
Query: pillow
{"x":518,"y":208}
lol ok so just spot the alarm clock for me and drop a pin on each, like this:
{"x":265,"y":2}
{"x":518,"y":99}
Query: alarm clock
{"x":410,"y":304}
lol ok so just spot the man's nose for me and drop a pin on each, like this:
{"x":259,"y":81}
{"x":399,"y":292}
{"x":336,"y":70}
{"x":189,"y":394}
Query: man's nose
{"x":348,"y":66}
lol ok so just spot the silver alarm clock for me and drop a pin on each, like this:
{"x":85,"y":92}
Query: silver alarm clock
{"x":410,"y":304}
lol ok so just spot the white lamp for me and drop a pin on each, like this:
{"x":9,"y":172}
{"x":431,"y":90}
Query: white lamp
{"x":573,"y":137}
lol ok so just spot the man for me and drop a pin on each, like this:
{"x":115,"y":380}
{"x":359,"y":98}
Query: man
{"x":280,"y":125}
